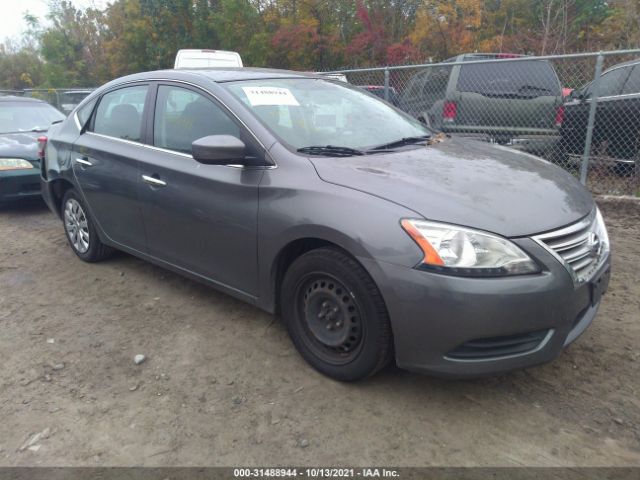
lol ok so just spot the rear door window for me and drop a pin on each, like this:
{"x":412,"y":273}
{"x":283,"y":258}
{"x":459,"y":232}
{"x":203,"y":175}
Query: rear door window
{"x":85,"y":112}
{"x":633,"y":82}
{"x":416,"y":84}
{"x":436,"y":85}
{"x":119,"y":113}
{"x":525,"y":79}
{"x":611,"y":82}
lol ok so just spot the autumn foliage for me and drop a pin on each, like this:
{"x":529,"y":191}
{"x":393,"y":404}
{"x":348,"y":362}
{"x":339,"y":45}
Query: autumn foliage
{"x":78,"y":47}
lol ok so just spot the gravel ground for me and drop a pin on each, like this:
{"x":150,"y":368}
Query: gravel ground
{"x":222,"y":384}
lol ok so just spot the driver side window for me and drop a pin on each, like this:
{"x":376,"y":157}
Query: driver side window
{"x":182,"y":116}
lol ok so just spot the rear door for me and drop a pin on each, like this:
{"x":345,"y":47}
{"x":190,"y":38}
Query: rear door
{"x":507,"y":97}
{"x":106,"y":163}
{"x":202,"y":218}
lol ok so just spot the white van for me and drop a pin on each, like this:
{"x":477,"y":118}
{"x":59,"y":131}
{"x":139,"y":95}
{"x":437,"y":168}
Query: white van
{"x":207,"y":58}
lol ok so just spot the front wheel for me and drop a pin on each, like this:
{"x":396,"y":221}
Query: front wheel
{"x":80,"y":229}
{"x":335,"y":315}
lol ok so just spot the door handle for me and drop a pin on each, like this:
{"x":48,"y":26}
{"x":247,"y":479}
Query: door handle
{"x":156,"y":182}
{"x":84,"y":162}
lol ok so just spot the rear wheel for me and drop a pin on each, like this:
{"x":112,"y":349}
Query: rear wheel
{"x":80,"y":229}
{"x":335,"y":315}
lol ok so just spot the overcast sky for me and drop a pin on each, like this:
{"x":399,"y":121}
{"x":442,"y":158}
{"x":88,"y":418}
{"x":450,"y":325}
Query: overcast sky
{"x":12,"y":11}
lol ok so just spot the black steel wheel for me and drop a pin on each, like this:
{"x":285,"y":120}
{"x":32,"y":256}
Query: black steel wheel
{"x":332,"y":318}
{"x":335,"y":315}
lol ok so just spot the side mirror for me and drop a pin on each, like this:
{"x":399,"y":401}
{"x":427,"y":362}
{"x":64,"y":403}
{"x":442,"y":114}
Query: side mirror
{"x":219,"y":150}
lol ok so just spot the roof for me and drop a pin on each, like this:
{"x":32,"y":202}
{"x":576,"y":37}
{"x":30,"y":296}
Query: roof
{"x":217,"y":74}
{"x":623,"y":64}
{"x":14,"y":98}
{"x":223,"y":74}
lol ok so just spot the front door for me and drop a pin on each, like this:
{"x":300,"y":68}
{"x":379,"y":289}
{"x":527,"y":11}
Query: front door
{"x":202,"y":218}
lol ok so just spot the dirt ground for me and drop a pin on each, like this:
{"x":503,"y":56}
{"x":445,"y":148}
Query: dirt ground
{"x":222,"y":384}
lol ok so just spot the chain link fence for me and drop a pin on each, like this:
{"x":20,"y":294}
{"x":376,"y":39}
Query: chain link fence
{"x":581,"y":111}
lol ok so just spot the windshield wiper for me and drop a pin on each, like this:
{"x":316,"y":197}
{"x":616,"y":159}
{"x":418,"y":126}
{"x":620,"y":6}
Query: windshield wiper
{"x":402,"y":142}
{"x":330,"y":151}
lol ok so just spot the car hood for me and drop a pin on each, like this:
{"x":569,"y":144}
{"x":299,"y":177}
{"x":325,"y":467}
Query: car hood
{"x":467,"y":182}
{"x":20,"y":145}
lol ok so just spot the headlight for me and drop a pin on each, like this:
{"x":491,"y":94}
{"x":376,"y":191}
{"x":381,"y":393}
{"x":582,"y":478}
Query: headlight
{"x":466,"y":252}
{"x":14,"y":164}
{"x":601,"y":231}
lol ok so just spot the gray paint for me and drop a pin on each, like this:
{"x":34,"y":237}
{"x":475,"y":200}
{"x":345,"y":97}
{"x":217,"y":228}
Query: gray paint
{"x":227,"y":226}
{"x":469,"y":183}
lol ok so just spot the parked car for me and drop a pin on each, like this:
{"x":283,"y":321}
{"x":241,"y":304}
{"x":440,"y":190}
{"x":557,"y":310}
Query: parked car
{"x":616,"y":131}
{"x":379,"y":91}
{"x":510,"y":101}
{"x":368,"y":234}
{"x":196,"y":58}
{"x":22,"y":121}
{"x":68,"y":100}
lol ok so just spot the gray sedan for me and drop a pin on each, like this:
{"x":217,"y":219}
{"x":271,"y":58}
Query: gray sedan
{"x":372,"y":237}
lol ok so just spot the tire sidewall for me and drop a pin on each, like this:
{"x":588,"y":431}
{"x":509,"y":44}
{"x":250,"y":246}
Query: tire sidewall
{"x":94,"y":242}
{"x":373,"y":315}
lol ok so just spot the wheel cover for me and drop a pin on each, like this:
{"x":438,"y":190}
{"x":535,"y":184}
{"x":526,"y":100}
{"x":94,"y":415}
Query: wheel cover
{"x":331,"y":318}
{"x":76,"y":225}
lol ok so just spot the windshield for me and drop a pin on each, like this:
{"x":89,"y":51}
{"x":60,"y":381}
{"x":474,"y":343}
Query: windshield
{"x":16,"y":117}
{"x":306,"y":112}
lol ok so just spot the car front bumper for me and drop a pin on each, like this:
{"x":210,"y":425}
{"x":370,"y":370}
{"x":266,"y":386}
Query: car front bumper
{"x":470,"y":327}
{"x":19,"y":184}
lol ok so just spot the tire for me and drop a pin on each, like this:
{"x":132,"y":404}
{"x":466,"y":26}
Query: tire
{"x":335,"y":315}
{"x":80,"y":230}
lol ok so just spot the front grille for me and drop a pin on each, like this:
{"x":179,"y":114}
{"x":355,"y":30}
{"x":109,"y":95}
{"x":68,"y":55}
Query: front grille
{"x":577,"y":246}
{"x":496,"y":347}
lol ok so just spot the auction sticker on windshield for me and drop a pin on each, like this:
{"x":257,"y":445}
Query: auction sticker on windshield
{"x":270,"y":96}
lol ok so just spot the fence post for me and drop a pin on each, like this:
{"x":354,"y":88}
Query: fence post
{"x":592,"y":117}
{"x":386,"y":83}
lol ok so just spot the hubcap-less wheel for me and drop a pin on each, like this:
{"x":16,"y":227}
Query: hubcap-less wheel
{"x":76,"y":225}
{"x":331,"y":318}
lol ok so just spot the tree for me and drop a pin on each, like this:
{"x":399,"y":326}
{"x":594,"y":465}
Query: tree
{"x":86,"y":47}
{"x":72,"y":46}
{"x":20,"y":67}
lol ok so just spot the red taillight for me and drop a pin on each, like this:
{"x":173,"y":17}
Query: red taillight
{"x":449,"y":111}
{"x":559,"y":115}
{"x":42,"y":144}
{"x":508,"y":55}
